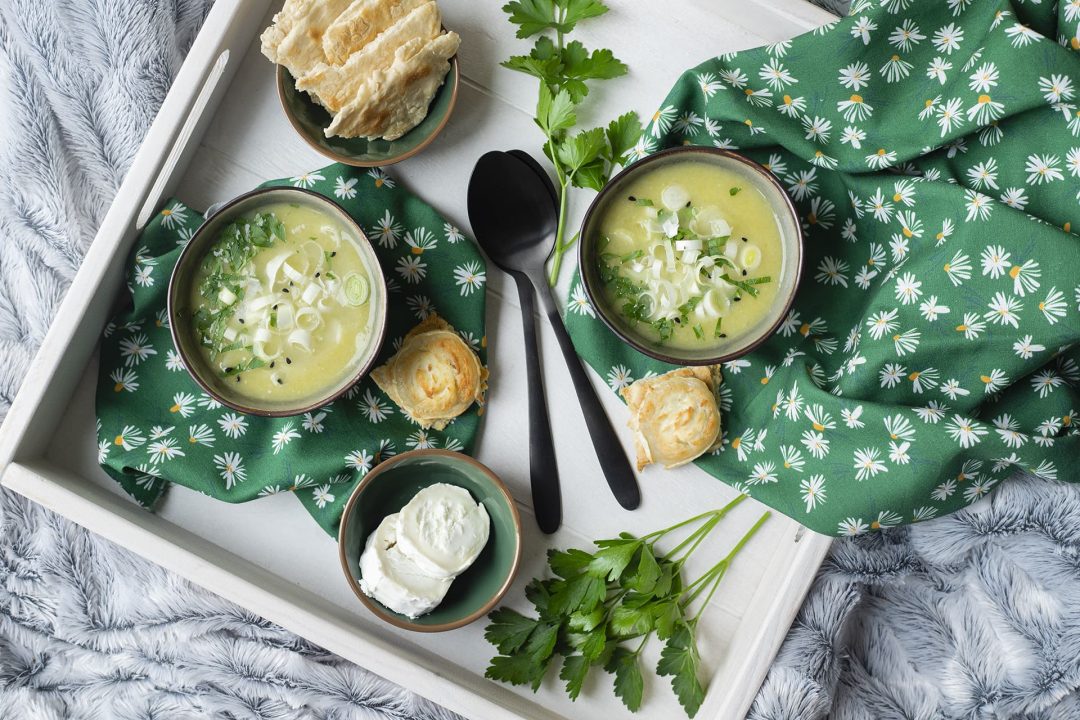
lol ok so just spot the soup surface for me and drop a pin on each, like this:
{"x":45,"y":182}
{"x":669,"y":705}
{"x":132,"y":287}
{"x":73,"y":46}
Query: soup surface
{"x":690,"y":255}
{"x":281,"y":304}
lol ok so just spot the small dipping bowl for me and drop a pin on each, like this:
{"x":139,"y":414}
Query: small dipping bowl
{"x":309,"y":119}
{"x":187,"y":267}
{"x":791,"y":244}
{"x":389,"y":487}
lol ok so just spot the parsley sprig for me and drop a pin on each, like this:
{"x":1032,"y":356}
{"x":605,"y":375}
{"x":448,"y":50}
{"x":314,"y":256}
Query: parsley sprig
{"x":587,"y":158}
{"x":600,"y":610}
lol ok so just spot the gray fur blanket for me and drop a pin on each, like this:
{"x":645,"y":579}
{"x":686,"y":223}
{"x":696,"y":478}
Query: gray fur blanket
{"x":976,"y":615}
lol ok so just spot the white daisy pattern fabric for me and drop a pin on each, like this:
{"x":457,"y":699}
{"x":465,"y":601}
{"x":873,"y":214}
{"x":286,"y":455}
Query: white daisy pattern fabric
{"x":153,"y":415}
{"x":933,"y":153}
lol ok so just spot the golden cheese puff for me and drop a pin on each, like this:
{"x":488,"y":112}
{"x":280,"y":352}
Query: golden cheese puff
{"x":435,"y":376}
{"x":676,"y":416}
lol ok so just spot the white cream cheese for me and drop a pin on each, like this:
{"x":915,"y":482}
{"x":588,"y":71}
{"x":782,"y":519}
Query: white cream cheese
{"x":442,"y":530}
{"x":393,"y":579}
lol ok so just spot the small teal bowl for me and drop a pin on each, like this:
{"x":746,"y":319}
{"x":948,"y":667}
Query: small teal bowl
{"x":387,"y":488}
{"x":309,"y":119}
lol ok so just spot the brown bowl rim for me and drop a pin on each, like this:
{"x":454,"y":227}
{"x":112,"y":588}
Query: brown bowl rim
{"x":375,"y":607}
{"x":170,"y":305}
{"x":350,"y":160}
{"x":597,"y":301}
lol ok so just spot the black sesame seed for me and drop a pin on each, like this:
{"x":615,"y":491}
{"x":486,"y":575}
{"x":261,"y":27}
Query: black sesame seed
{"x":228,"y":369}
{"x":743,"y":272}
{"x":723,"y":335}
{"x":272,"y":363}
{"x":738,"y":298}
{"x":237,"y":378}
{"x":280,"y":381}
{"x":744,"y":239}
{"x":241,"y":321}
{"x":284,"y":290}
{"x":318,"y":274}
{"x":333,"y":254}
{"x":288,"y":361}
{"x":687,"y":203}
{"x":631,"y":198}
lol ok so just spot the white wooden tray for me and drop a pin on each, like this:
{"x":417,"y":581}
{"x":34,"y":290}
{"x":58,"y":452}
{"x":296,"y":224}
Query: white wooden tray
{"x":220,"y":132}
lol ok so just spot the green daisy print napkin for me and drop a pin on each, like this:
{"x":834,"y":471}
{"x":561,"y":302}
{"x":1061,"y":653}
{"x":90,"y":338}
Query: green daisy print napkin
{"x":933,"y":152}
{"x":156,"y":426}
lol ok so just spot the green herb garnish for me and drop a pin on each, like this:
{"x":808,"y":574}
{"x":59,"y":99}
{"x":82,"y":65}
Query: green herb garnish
{"x":225,"y":273}
{"x":627,"y":590}
{"x":643,"y":202}
{"x":586,"y":159}
{"x":734,"y":191}
{"x":698,"y":332}
{"x":717,"y":332}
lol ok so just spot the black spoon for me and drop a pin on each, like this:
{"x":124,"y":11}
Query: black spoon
{"x":500,"y":227}
{"x":515,"y":220}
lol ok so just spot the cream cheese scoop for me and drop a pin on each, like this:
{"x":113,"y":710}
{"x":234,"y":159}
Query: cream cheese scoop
{"x":392,"y":578}
{"x":442,"y":530}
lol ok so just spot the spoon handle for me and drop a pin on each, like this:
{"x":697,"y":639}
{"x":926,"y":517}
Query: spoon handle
{"x":543,"y":470}
{"x":620,"y":477}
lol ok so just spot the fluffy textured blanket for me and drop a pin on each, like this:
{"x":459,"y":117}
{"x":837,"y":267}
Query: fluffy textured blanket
{"x":976,"y":615}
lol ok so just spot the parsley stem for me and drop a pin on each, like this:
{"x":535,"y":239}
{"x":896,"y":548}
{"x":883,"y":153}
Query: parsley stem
{"x":720,"y":513}
{"x":711,"y":579}
{"x":693,"y":540}
{"x":560,"y":247}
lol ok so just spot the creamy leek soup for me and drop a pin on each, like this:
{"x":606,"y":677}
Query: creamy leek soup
{"x":690,"y":255}
{"x":281,"y":304}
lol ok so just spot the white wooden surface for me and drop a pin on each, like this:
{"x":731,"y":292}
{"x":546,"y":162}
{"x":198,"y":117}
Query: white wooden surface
{"x":267,"y":555}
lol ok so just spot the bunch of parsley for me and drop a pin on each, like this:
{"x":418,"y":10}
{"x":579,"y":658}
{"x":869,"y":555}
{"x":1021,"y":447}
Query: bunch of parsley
{"x":627,"y":590}
{"x":587,"y":158}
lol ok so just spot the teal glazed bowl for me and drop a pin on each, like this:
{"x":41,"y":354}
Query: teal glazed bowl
{"x":388,"y":487}
{"x":309,"y":119}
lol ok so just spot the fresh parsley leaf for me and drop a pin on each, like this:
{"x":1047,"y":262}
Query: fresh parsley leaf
{"x":665,"y":615}
{"x":583,"y":592}
{"x":679,"y":659}
{"x":531,"y":16}
{"x":549,"y":71}
{"x":508,"y":630}
{"x":594,"y":644}
{"x":568,"y":563}
{"x":629,"y":684}
{"x":538,"y":592}
{"x":627,"y":622}
{"x":612,"y":558}
{"x":516,"y":670}
{"x":541,"y":642}
{"x":646,"y":572}
{"x":593,"y":176}
{"x":578,"y":10}
{"x":574,"y":670}
{"x":579,"y":63}
{"x":623,"y":134}
{"x":581,"y":149}
{"x":554,"y":113}
{"x":734,"y":191}
{"x":586,"y":621}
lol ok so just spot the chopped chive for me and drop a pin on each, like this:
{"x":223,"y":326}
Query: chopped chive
{"x":644,"y":202}
{"x":716,"y":331}
{"x":699,"y":332}
{"x":734,"y":191}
